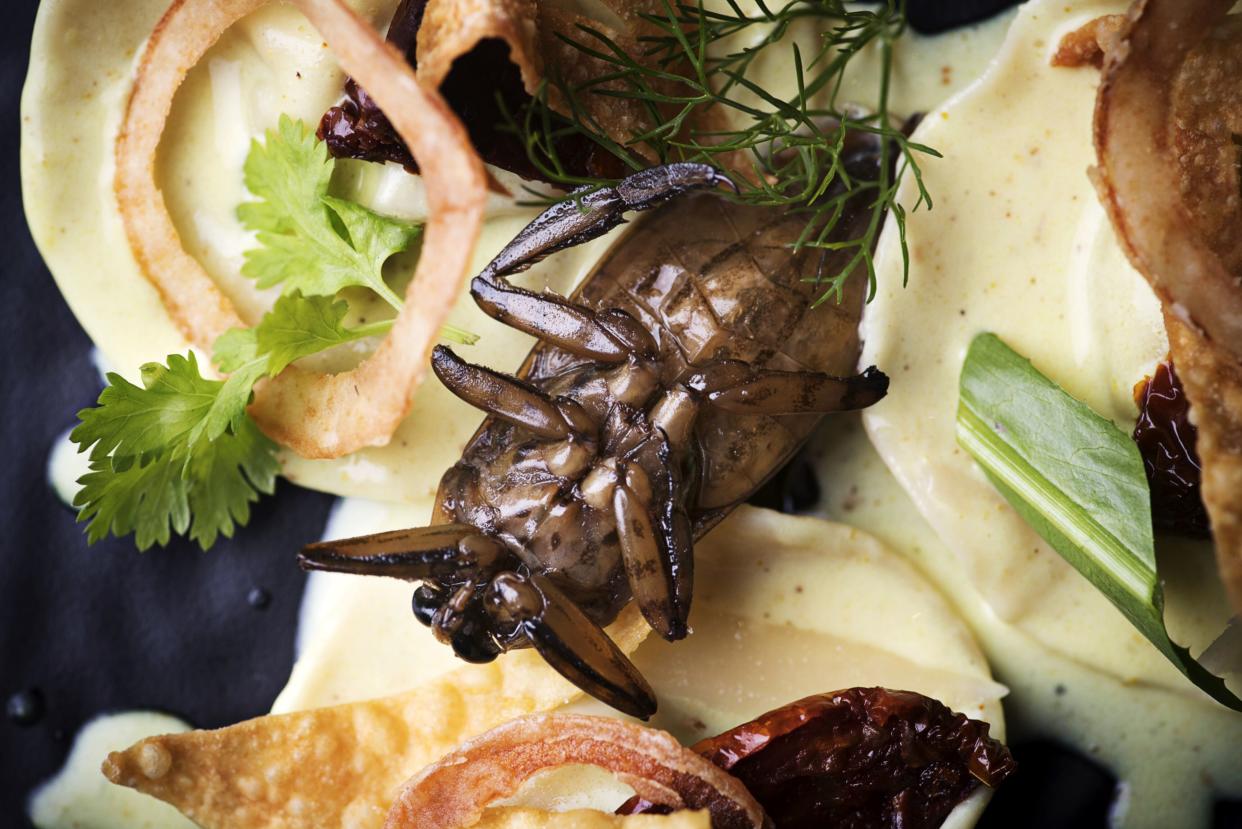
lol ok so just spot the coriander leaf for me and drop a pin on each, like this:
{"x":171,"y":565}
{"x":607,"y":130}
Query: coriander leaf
{"x":289,"y":172}
{"x":145,"y":497}
{"x":309,"y":241}
{"x":234,"y":349}
{"x":134,"y":420}
{"x":373,"y":236}
{"x":228,"y":410}
{"x":1078,"y":481}
{"x":225,"y":478}
{"x":298,"y":326}
{"x":176,"y":454}
{"x":236,"y":352}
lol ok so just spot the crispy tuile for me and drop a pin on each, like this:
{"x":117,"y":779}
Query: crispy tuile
{"x":521,"y":818}
{"x":1207,"y":139}
{"x":451,"y":28}
{"x":1167,"y":124}
{"x":341,"y":766}
{"x":1140,"y":176}
{"x":1089,"y":43}
{"x":1213,"y":383}
{"x":535,"y":32}
{"x":455,"y":791}
{"x":316,"y":415}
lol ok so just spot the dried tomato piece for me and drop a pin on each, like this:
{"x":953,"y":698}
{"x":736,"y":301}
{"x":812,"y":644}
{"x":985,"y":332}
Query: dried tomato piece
{"x":1166,"y":440}
{"x":863,"y":757}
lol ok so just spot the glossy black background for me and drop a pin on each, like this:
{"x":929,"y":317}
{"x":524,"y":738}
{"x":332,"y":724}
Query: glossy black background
{"x":102,"y":629}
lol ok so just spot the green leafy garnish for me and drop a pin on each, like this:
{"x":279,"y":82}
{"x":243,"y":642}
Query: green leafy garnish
{"x":308,"y":240}
{"x":296,"y":327}
{"x":179,"y":454}
{"x":698,"y":61}
{"x":156,"y":467}
{"x":1078,"y":480}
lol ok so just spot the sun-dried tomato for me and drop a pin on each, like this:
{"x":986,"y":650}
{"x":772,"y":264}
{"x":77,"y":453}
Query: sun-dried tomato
{"x":1166,"y":440}
{"x":863,"y":757}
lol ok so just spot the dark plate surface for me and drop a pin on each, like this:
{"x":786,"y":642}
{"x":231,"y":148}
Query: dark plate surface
{"x":102,"y":629}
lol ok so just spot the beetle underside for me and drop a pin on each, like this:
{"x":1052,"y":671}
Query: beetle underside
{"x":652,"y":406}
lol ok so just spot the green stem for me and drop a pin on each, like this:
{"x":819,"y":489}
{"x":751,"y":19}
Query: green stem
{"x":372,"y":329}
{"x":388,"y":295}
{"x":378,"y":329}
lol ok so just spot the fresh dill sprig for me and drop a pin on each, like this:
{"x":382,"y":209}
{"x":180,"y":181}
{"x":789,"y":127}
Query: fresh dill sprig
{"x":687,"y":72}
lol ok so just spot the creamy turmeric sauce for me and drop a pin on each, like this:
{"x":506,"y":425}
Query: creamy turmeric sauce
{"x":1018,"y":245}
{"x":822,"y":606}
{"x":80,"y":797}
{"x":1011,"y":191}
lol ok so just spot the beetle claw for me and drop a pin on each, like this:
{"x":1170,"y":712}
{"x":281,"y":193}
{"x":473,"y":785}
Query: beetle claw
{"x":569,"y":641}
{"x":656,"y":185}
{"x":591,"y":213}
{"x":416,"y":554}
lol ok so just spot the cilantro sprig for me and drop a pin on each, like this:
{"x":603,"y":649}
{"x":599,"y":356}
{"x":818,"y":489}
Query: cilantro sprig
{"x":308,"y":240}
{"x":162,"y":461}
{"x":179,"y":453}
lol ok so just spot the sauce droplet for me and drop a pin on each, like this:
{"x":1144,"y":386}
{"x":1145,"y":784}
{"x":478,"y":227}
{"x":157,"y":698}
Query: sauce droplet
{"x":25,"y":708}
{"x":258,"y":598}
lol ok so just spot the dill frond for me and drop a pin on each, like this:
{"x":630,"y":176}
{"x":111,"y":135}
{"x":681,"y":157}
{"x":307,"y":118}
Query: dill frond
{"x":689,"y":66}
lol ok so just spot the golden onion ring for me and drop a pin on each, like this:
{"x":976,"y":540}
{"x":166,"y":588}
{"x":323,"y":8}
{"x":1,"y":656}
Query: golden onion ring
{"x":454,"y":792}
{"x":316,"y":415}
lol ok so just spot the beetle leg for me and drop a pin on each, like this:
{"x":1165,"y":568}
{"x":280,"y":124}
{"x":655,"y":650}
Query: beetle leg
{"x":508,"y":398}
{"x":650,"y":567}
{"x":436,"y":552}
{"x":592,"y":213}
{"x":657,"y":545}
{"x":736,"y":387}
{"x":608,"y":337}
{"x":574,"y":645}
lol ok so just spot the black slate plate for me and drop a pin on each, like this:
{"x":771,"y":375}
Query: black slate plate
{"x":100,"y":629}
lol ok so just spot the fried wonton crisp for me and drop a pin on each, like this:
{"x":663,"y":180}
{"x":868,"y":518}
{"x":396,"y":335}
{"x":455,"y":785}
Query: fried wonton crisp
{"x":342,"y":766}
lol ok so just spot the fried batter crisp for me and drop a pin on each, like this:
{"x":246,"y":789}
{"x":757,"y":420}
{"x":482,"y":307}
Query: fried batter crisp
{"x":341,"y":766}
{"x":1168,"y":129}
{"x":1213,"y":382}
{"x":1206,"y":136}
{"x":1089,"y":43}
{"x":1207,"y":139}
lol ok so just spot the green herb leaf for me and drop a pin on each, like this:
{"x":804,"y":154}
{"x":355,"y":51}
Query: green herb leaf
{"x":179,"y":454}
{"x":1078,"y":480}
{"x":176,"y":454}
{"x":225,"y":478}
{"x":695,"y":60}
{"x":299,"y":326}
{"x":169,"y":408}
{"x":309,"y":241}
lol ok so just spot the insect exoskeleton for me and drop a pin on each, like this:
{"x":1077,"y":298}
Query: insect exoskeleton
{"x":671,"y":385}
